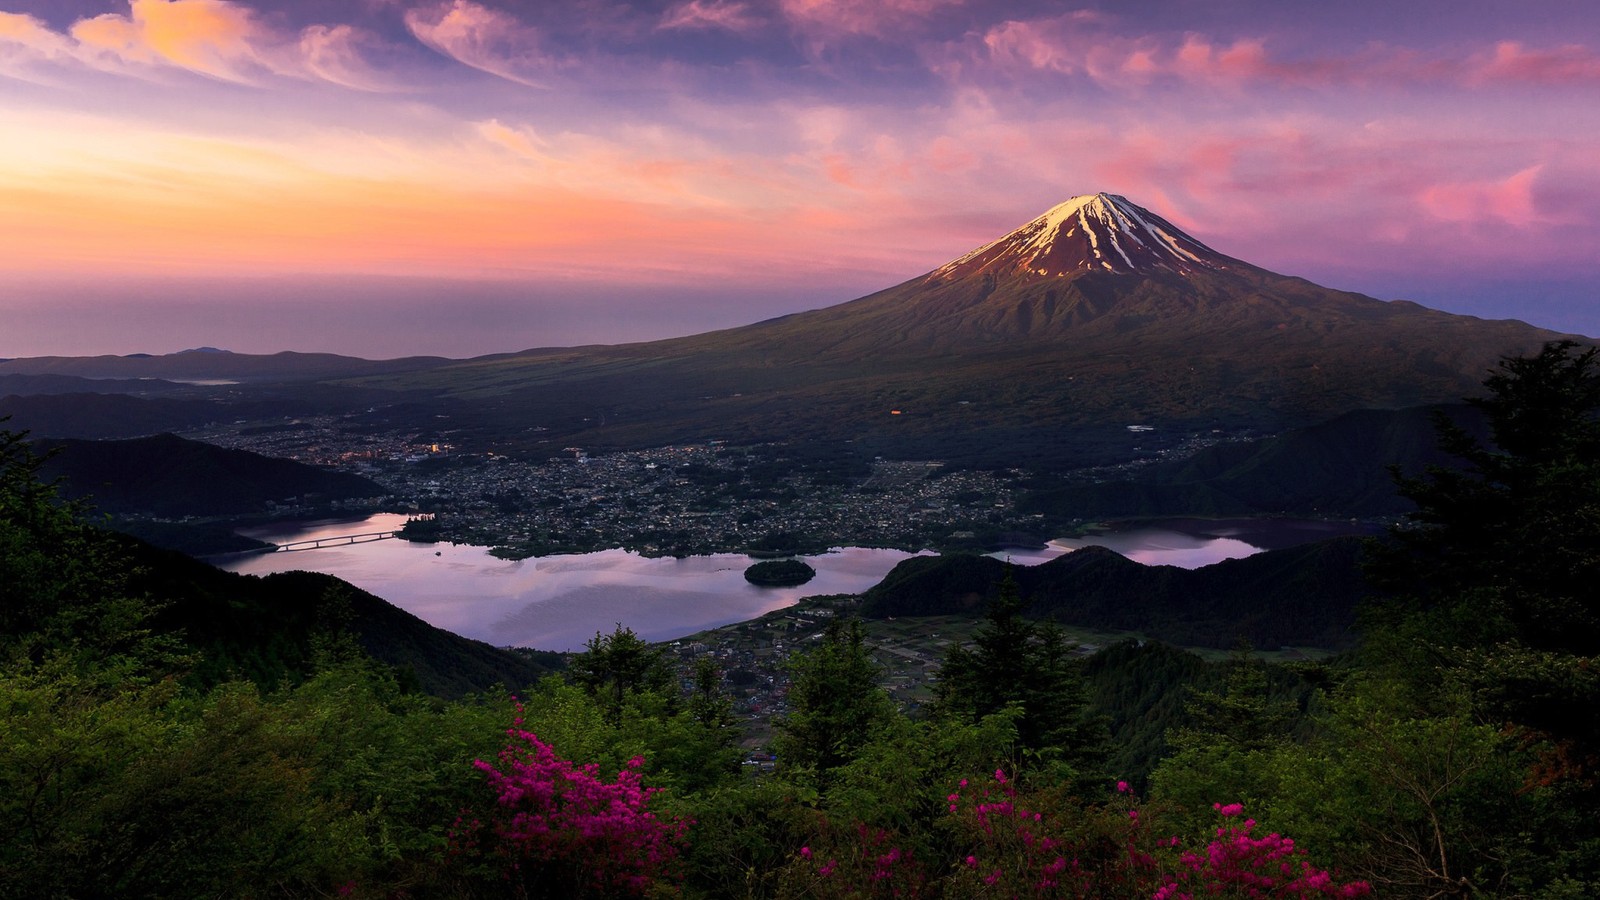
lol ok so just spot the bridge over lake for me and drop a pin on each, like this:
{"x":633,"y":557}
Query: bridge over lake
{"x":342,"y":540}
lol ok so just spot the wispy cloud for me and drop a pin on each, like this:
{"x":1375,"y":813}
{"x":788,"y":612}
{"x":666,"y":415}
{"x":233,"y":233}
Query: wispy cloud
{"x":1571,"y":64}
{"x":722,"y":15}
{"x":483,"y":38}
{"x":213,"y":38}
{"x":1092,"y":47}
{"x":875,"y":18}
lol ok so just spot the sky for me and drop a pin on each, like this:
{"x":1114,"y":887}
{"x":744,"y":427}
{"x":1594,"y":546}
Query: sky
{"x":460,"y":177}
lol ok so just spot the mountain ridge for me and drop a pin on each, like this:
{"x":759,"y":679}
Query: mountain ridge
{"x":1048,"y":341}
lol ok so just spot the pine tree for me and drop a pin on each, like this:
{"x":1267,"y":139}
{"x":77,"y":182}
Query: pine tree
{"x":1028,"y":665}
{"x":617,"y":666}
{"x":835,"y":703}
{"x":1493,"y":583}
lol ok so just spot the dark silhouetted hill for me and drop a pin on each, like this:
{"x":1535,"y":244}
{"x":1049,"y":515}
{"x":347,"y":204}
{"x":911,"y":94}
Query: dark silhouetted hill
{"x":29,"y":385}
{"x":1299,"y":596}
{"x":169,"y":476}
{"x":269,"y":629}
{"x":102,"y":416}
{"x":1338,"y":468}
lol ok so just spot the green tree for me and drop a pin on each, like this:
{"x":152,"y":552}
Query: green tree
{"x":1015,"y":662}
{"x":618,"y":666}
{"x":709,"y":705}
{"x":1493,"y":582}
{"x":835,"y":703}
{"x":1515,"y":531}
{"x":65,"y":594}
{"x":1243,"y":715}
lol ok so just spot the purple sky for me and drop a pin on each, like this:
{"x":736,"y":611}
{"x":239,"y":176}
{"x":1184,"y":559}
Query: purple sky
{"x":387,"y":177}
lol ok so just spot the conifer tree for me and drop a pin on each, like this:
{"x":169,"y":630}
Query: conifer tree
{"x":617,"y":666}
{"x":1494,"y":580}
{"x":1015,"y":662}
{"x":835,"y":703}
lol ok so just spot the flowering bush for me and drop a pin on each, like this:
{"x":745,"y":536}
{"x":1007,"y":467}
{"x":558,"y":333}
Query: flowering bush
{"x":1013,"y":845}
{"x":1238,"y":864}
{"x":561,"y":829}
{"x":856,"y":862}
{"x":1017,"y":847}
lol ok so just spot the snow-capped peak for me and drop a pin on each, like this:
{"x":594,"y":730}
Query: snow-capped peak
{"x":1091,"y":232}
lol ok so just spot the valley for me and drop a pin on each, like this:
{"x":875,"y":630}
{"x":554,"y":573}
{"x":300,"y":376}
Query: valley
{"x":689,"y":499}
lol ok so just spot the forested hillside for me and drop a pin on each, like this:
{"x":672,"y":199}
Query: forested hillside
{"x":165,"y":743}
{"x":1298,"y":596}
{"x":1336,"y":468}
{"x":166,"y":475}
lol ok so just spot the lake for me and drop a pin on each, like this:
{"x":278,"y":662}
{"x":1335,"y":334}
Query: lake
{"x":1192,"y":543}
{"x":554,"y":602}
{"x":559,"y":602}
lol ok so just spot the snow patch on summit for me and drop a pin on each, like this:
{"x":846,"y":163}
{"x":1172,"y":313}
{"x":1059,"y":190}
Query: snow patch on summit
{"x":1088,"y":232}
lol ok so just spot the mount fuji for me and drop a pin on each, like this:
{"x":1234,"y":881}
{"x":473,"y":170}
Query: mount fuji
{"x":1097,"y":315}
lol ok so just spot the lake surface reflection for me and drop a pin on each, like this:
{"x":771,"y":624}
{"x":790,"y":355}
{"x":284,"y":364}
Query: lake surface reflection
{"x":559,"y":602}
{"x":554,"y":602}
{"x":1192,"y":543}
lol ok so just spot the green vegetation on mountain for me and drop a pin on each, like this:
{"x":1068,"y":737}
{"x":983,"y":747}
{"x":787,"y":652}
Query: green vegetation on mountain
{"x":175,"y":731}
{"x":103,"y":416}
{"x":171,"y":477}
{"x":24,"y":385}
{"x":1336,"y":468}
{"x":1298,"y":596}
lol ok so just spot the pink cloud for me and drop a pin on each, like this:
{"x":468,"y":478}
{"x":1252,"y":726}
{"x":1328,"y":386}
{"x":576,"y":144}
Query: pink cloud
{"x":1074,"y":45}
{"x":336,"y":54}
{"x":1509,"y":200}
{"x":483,"y":38}
{"x":711,"y":14}
{"x":873,"y":18}
{"x":26,"y":34}
{"x":1063,"y":45}
{"x":1511,"y":62}
{"x":214,"y":38}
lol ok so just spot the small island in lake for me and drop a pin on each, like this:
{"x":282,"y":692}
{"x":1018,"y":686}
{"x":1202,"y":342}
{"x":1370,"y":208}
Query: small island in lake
{"x":779,"y":573}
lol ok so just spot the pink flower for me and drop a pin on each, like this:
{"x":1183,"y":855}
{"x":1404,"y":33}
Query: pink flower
{"x":1122,"y":787}
{"x":1232,"y":809}
{"x":1000,"y":776}
{"x":805,"y":852}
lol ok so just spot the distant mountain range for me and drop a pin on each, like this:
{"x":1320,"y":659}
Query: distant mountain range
{"x":211,"y":364}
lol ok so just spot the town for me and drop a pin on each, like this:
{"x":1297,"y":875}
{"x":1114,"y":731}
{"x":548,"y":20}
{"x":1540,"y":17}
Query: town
{"x":685,"y":500}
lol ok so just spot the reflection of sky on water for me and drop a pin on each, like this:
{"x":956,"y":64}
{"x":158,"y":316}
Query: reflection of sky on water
{"x":1192,"y":543}
{"x":556,"y":602}
{"x":1151,"y":546}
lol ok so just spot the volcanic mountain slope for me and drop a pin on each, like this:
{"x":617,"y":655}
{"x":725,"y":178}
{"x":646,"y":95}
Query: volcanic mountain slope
{"x":1097,"y":314}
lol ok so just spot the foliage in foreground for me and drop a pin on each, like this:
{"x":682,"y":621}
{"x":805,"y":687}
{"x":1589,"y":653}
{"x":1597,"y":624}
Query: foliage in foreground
{"x":1455,"y":755}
